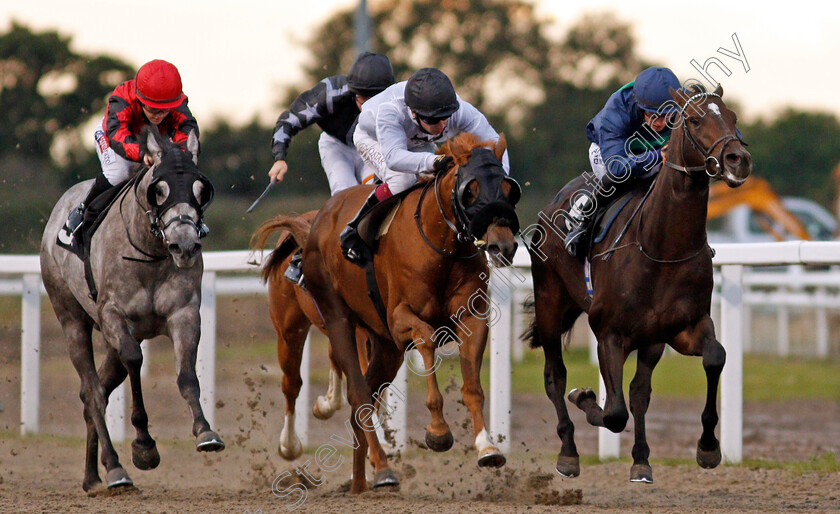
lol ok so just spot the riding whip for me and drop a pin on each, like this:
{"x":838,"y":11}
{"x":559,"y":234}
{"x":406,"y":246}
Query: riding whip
{"x":267,"y":189}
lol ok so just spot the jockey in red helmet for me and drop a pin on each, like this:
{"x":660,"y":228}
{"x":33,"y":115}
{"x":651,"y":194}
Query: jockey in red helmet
{"x":155,"y":97}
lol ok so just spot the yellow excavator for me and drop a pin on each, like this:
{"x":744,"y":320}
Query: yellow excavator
{"x":757,"y":194}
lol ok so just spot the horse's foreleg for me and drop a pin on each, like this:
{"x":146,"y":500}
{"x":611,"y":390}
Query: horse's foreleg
{"x":614,"y":415}
{"x":411,"y":329}
{"x":639,"y":401}
{"x":185,"y":330}
{"x":471,"y":333}
{"x":126,"y":356}
{"x":700,"y":340}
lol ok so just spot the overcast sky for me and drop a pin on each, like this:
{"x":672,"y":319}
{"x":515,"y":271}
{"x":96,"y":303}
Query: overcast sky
{"x":235,"y":56}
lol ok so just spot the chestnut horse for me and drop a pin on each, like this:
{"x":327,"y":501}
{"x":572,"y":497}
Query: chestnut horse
{"x":655,"y":289}
{"x":292,"y":313}
{"x":432,"y":282}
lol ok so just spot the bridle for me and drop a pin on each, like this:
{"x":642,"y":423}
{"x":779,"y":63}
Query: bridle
{"x":708,"y":158}
{"x":461,"y":230}
{"x":155,"y":213}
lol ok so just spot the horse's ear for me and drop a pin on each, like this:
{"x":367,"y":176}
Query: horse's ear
{"x":501,"y":146}
{"x":719,"y":90}
{"x":153,"y":146}
{"x":192,"y":146}
{"x":678,"y":96}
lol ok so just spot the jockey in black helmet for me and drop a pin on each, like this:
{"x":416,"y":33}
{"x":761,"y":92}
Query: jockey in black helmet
{"x":627,"y":137}
{"x":397,"y":134}
{"x":334,"y":105}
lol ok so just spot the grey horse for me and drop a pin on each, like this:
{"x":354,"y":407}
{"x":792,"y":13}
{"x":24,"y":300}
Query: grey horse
{"x":146,"y":264}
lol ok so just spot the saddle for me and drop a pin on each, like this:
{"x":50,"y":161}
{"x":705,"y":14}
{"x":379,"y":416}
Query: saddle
{"x":94,"y":214}
{"x":375,"y":223}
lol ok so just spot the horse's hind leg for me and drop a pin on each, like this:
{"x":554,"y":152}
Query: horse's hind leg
{"x":184,"y":330}
{"x":700,"y":340}
{"x":384,"y":363}
{"x":93,"y":395}
{"x":648,"y":357}
{"x":291,"y":326}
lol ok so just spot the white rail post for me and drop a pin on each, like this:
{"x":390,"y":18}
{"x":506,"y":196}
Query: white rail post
{"x":205,"y":366}
{"x":302,"y":405}
{"x":500,"y":367}
{"x":397,"y":402}
{"x":115,"y":413}
{"x":30,"y":353}
{"x":732,"y":378}
{"x":609,"y":443}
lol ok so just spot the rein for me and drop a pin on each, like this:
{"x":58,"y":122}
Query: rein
{"x":151,"y":258}
{"x":459,"y":233}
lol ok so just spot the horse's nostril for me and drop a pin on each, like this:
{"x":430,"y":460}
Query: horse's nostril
{"x":733,"y":158}
{"x":174,"y":248}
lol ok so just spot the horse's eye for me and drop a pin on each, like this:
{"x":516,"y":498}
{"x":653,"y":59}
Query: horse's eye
{"x":470,"y":193}
{"x":694,"y":122}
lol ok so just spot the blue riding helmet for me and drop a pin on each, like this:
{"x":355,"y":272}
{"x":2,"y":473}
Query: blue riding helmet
{"x":651,"y":89}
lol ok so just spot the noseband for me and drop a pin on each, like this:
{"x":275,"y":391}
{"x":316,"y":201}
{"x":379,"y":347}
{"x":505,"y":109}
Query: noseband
{"x":462,"y":232}
{"x":708,"y":158}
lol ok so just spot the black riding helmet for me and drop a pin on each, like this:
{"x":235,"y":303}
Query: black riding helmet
{"x":429,"y":93}
{"x":370,"y":74}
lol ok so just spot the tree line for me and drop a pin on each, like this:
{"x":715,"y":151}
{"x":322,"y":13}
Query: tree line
{"x":540,"y":90}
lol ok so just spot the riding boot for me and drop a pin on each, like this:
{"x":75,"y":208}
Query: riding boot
{"x":293,"y":272}
{"x":77,"y":215}
{"x":582,"y":212}
{"x":351,"y":243}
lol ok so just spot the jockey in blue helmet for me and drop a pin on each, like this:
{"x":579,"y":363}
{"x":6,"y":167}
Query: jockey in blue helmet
{"x":627,"y":137}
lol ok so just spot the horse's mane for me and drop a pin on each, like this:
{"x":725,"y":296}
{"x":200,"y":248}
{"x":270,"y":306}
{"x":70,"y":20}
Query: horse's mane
{"x":461,"y":146}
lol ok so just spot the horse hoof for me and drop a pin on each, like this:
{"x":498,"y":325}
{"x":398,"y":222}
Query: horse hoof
{"x":93,"y":487}
{"x":209,"y":441}
{"x":708,"y":459}
{"x":641,"y":473}
{"x":117,"y":477}
{"x":385,"y":478}
{"x":322,"y":409}
{"x":491,"y":457}
{"x":568,"y":467}
{"x":439,"y":443}
{"x":292,"y":453}
{"x":144,"y":457}
{"x":576,"y":396}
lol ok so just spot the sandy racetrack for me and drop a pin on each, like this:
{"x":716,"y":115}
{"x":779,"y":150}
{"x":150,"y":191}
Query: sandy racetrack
{"x":44,"y":473}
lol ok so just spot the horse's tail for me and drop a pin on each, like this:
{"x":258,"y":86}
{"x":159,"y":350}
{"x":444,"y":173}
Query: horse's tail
{"x":532,"y":335}
{"x":296,"y":233}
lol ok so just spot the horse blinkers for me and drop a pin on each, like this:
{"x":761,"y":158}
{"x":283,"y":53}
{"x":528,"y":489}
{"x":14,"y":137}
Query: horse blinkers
{"x":185,"y":184}
{"x":477,"y":212}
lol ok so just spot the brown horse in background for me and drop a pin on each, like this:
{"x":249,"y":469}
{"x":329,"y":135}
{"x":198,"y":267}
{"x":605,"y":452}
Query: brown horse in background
{"x":655,"y":289}
{"x":292,"y":313}
{"x":432,"y":282}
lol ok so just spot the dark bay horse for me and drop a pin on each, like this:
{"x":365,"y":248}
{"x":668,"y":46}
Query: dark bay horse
{"x":433,"y":285}
{"x":655,"y":289}
{"x":146,"y":263}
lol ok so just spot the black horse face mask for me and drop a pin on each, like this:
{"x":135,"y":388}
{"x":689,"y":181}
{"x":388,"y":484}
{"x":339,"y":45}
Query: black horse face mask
{"x":490,"y":205}
{"x":180,"y":173}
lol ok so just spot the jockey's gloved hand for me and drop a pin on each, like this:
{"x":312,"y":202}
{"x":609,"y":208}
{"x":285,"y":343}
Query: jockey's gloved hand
{"x":443,"y":163}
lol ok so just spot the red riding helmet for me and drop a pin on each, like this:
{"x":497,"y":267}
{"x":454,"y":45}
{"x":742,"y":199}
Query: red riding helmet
{"x":159,"y":85}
